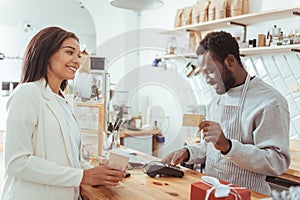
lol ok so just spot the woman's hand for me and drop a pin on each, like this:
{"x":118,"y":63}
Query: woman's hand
{"x":212,"y":132}
{"x":102,"y":175}
{"x":176,"y":157}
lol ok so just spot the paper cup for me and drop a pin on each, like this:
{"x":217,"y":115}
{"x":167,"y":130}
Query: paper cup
{"x":138,"y":123}
{"x":118,"y":159}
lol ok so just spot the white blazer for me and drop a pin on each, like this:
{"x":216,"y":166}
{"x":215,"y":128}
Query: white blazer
{"x":37,"y":155}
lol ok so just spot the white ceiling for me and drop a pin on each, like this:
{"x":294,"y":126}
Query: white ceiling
{"x":68,"y":14}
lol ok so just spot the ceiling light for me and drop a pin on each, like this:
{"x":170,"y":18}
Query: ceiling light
{"x":137,"y":4}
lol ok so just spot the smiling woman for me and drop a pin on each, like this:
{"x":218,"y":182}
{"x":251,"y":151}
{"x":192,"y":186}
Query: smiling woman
{"x":19,"y":21}
{"x":51,"y":57}
{"x":52,"y":54}
{"x":67,"y":56}
{"x":43,"y":140}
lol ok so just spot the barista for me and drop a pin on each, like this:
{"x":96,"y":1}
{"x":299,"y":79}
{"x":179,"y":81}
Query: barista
{"x":247,"y":129}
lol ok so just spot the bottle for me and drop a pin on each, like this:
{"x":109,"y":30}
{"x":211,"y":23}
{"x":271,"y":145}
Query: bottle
{"x":155,"y":125}
{"x":280,"y":39}
{"x":250,"y":43}
{"x":254,"y":42}
{"x":116,"y":139}
{"x":171,"y":45}
{"x":189,"y":69}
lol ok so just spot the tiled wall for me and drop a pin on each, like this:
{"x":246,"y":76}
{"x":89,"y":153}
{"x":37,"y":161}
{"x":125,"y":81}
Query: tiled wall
{"x":282,"y":71}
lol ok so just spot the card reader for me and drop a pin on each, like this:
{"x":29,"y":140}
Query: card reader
{"x":159,"y":168}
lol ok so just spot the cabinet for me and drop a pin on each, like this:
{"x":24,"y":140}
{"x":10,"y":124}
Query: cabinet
{"x":93,"y":114}
{"x":244,"y":21}
{"x":92,"y":120}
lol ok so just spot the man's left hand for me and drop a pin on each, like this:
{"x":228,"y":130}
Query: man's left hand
{"x":212,"y":132}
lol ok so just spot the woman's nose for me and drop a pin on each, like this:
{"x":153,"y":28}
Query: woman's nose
{"x":209,"y":80}
{"x":76,"y":60}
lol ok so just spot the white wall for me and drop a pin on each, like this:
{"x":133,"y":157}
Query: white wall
{"x":38,"y":14}
{"x":112,"y":24}
{"x":13,"y":39}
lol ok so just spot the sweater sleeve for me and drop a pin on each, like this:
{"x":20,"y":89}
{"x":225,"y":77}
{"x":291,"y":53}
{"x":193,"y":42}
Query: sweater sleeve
{"x":270,"y":152}
{"x":197,"y":153}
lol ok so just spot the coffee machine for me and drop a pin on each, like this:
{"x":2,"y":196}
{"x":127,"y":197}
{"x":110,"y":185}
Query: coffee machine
{"x":273,"y":36}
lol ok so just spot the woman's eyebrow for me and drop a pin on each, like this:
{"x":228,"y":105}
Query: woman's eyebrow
{"x":69,"y":47}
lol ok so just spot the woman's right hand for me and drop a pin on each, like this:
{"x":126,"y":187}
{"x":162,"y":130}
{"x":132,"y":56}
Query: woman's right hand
{"x":102,"y":175}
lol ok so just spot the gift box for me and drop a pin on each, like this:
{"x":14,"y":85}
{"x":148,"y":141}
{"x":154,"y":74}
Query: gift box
{"x":211,"y":188}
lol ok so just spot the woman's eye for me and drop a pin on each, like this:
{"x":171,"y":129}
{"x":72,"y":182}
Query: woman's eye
{"x":70,"y":52}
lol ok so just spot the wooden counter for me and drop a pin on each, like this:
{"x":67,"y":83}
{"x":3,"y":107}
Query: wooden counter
{"x":140,"y":186}
{"x":293,"y":173}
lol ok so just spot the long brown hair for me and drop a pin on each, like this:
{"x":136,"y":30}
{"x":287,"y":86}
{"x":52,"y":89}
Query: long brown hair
{"x":38,"y":52}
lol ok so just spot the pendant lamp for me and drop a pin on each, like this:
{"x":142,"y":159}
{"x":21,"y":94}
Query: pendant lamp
{"x":137,"y":4}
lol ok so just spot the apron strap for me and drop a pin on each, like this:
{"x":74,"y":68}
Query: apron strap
{"x":246,"y":86}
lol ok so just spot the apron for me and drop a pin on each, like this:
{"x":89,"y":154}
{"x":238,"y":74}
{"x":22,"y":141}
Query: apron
{"x":216,"y":165}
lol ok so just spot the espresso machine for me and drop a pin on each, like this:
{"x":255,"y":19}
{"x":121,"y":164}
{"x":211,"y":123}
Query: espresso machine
{"x":273,"y":36}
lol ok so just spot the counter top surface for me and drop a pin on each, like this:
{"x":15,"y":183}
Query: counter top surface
{"x":293,"y":173}
{"x":141,"y":186}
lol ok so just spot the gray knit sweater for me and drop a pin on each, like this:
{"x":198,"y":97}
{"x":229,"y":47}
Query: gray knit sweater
{"x":264,"y":147}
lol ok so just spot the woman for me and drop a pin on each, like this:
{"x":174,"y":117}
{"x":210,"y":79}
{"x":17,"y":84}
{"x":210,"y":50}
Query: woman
{"x":42,"y":144}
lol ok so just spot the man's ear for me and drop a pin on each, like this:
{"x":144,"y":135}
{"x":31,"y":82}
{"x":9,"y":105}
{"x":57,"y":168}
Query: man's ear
{"x":229,"y":60}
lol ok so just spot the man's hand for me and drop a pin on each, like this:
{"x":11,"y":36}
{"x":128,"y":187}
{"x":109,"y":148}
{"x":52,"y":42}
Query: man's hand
{"x":176,"y":157}
{"x":212,"y":132}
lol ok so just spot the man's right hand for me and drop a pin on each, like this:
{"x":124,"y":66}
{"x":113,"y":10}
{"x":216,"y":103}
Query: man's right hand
{"x":176,"y":157}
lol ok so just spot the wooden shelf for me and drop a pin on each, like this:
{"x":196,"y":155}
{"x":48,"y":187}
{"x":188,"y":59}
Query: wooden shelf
{"x":247,"y":19}
{"x":268,"y":50}
{"x":101,"y":124}
{"x":245,"y":51}
{"x":175,"y":56}
{"x":130,"y":133}
{"x":89,"y":104}
{"x":244,"y":21}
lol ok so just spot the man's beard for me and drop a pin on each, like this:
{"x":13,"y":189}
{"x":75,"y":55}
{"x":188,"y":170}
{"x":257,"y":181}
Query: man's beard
{"x":228,"y":80}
